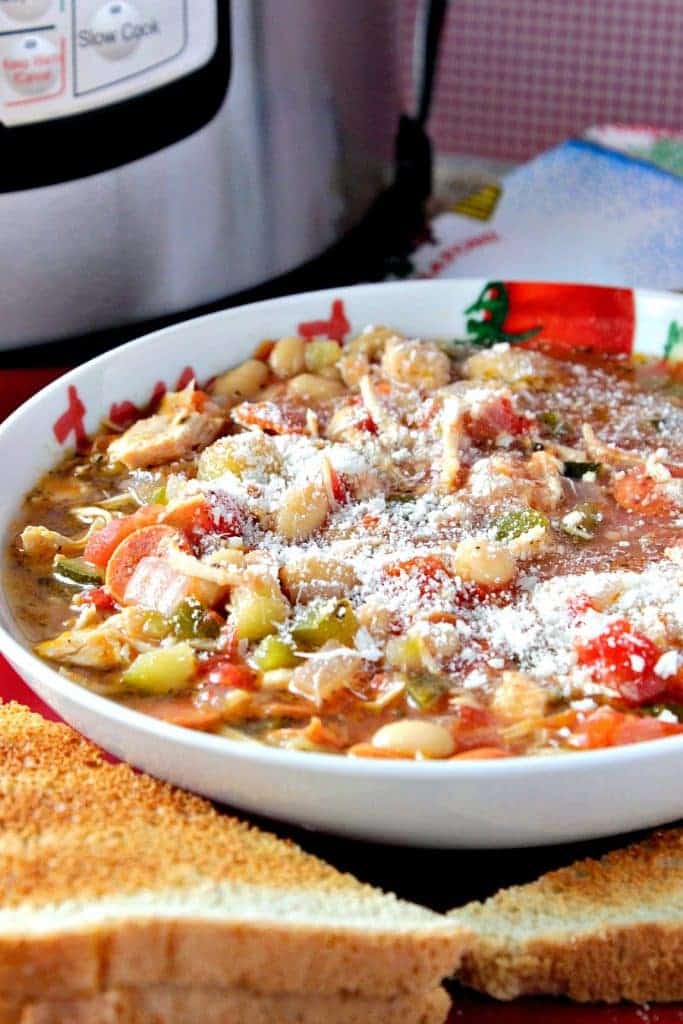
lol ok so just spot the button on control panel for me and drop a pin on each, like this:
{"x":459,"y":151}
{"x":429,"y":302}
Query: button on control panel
{"x":61,"y":57}
{"x":25,"y":10}
{"x":33,"y":66}
{"x":118,"y":39}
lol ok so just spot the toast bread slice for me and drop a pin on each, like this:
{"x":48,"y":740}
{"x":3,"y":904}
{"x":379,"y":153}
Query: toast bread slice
{"x":600,"y":930}
{"x":110,"y":879}
{"x":170,"y":1005}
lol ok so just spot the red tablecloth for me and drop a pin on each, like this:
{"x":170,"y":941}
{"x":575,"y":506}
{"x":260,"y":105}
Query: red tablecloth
{"x":15,"y":387}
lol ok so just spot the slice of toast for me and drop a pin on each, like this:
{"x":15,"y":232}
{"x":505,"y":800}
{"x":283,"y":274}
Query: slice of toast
{"x":171,"y":1005}
{"x":602,"y":931}
{"x":110,"y":879}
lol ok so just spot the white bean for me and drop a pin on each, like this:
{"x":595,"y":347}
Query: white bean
{"x":313,"y":388}
{"x":287,"y":357}
{"x":482,"y":561}
{"x":242,"y":382}
{"x":304,"y":509}
{"x":412,"y":736}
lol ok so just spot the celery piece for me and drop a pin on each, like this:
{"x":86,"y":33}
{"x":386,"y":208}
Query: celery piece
{"x":190,"y":622}
{"x":583,"y":521}
{"x":554,"y":423}
{"x":165,"y":670}
{"x":273,"y":653}
{"x":407,"y":653}
{"x":155,"y":626}
{"x":424,"y":690}
{"x":257,"y":610}
{"x":77,"y":570}
{"x":160,"y":497}
{"x":515,"y":524}
{"x":320,"y":623}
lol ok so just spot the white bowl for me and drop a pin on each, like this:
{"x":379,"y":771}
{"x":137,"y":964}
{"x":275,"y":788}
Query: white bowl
{"x":506,"y":803}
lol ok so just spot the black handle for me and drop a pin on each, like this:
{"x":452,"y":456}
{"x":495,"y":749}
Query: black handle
{"x":413,"y":179}
{"x":426,"y":55}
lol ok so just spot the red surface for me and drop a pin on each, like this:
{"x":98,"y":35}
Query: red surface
{"x":18,"y":385}
{"x":469,"y":1008}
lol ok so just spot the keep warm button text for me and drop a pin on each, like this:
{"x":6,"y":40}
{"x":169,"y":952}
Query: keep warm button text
{"x":117,"y":30}
{"x":33,"y":66}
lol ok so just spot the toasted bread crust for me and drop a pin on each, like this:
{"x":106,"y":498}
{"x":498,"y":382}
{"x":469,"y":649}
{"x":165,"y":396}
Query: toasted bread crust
{"x":76,"y":831}
{"x":641,"y":964}
{"x":600,"y":930}
{"x":263,"y":958}
{"x":169,"y":1005}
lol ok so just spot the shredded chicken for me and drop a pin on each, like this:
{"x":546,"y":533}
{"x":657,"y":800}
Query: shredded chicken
{"x":42,"y":544}
{"x":452,"y":431}
{"x":105,"y":647}
{"x":611,"y":456}
{"x":170,"y":434}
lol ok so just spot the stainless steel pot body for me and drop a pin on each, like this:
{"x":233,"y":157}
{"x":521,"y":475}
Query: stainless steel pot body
{"x":295,"y":155}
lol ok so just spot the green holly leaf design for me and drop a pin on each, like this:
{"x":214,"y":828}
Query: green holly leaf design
{"x":487,"y":328}
{"x":673,"y":348}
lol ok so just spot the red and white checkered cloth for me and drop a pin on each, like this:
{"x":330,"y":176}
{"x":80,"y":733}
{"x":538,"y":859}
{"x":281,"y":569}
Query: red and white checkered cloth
{"x":518,"y":76}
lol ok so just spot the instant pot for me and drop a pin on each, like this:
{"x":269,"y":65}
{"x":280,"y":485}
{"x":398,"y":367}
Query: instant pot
{"x":161,"y":155}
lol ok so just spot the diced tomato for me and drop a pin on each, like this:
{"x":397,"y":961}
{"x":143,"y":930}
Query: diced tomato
{"x":469,"y":595}
{"x":220,"y":671}
{"x":474,"y":728}
{"x":222,"y":515}
{"x":100,"y":598}
{"x":102,"y":543}
{"x":426,"y":569}
{"x":625,"y":659}
{"x":212,"y":514}
{"x":497,"y":417}
{"x":597,"y":729}
{"x":367,"y":424}
{"x":607,"y":727}
{"x":340,"y":489}
{"x":639,"y":493}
